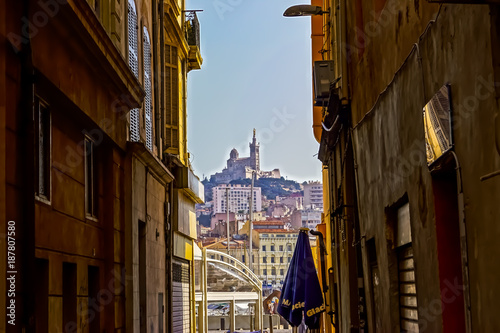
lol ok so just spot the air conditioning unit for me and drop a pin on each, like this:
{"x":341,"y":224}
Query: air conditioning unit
{"x":324,"y":74}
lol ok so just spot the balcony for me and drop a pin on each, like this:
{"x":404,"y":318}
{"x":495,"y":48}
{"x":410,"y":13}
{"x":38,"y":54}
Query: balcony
{"x":193,"y":39}
{"x":187,"y":180}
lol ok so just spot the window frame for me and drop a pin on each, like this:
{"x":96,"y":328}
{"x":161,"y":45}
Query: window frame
{"x":93,"y":213}
{"x":46,"y":197}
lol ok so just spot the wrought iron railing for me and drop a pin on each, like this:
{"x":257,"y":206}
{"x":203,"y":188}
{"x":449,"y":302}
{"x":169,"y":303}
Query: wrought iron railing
{"x":192,"y":29}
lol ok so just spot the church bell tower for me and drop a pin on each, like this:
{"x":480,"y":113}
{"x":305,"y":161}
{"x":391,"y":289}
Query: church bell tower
{"x":254,"y":153}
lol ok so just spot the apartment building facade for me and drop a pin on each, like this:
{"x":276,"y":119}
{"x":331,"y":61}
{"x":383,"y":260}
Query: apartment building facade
{"x":239,"y":198}
{"x":408,"y":131}
{"x":102,"y":197}
{"x":313,"y":195}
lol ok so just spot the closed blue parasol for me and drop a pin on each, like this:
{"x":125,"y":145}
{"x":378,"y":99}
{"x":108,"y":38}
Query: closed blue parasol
{"x":301,"y":293}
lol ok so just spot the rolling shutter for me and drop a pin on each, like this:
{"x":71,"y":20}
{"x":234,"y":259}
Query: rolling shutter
{"x":181,"y":306}
{"x":407,"y":291}
{"x":408,"y":311}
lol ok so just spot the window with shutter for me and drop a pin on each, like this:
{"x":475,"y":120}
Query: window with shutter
{"x":91,"y":190}
{"x":171,"y":100}
{"x":147,"y":88}
{"x":133,"y":60}
{"x":133,"y":63}
{"x":42,"y":160}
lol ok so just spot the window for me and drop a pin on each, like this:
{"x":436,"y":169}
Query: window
{"x":97,"y":8}
{"x":263,"y":248}
{"x":264,"y":260}
{"x":272,"y":259}
{"x":281,"y":260}
{"x":243,"y":258}
{"x":264,"y":272}
{"x":289,"y":247}
{"x":133,"y":62}
{"x":273,"y":271}
{"x":42,"y":159}
{"x":289,"y":259}
{"x":171,"y":139}
{"x":282,"y":271}
{"x":272,"y":248}
{"x":146,"y":57}
{"x":281,"y":247}
{"x":90,"y":179}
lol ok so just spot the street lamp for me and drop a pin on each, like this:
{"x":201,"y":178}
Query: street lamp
{"x":304,"y":10}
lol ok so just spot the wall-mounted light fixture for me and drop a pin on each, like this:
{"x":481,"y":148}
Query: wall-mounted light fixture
{"x":304,"y":10}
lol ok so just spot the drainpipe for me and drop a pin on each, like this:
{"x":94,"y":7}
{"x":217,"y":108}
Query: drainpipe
{"x":169,"y":255}
{"x":162,"y":77}
{"x":156,"y":75}
{"x":322,"y":251}
{"x":26,"y":227}
{"x":342,"y":54}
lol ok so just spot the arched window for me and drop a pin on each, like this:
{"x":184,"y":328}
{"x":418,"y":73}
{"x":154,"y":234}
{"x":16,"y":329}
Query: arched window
{"x":147,"y":88}
{"x":133,"y":62}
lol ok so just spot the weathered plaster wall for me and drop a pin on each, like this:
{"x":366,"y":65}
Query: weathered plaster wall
{"x":390,"y":153}
{"x":149,"y":197}
{"x":380,"y":35}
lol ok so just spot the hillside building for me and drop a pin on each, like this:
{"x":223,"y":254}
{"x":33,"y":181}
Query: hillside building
{"x":313,"y":195}
{"x":239,"y":196}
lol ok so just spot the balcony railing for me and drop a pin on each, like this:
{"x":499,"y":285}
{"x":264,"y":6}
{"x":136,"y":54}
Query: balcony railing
{"x":193,"y":39}
{"x":192,"y":29}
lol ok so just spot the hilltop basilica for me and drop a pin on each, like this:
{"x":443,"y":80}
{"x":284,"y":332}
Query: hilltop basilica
{"x":242,"y":167}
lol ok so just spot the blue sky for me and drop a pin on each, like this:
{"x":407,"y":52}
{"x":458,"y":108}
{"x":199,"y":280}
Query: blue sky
{"x":256,"y":73}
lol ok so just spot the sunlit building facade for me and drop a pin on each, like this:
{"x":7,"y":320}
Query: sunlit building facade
{"x":410,"y":195}
{"x":96,"y":112}
{"x":239,"y":198}
{"x":276,"y":248}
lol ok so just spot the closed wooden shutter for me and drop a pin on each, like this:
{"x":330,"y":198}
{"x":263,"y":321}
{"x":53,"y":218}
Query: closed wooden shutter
{"x":133,"y":63}
{"x":181,"y":306}
{"x":407,"y":290}
{"x":147,"y":89}
{"x":171,"y":100}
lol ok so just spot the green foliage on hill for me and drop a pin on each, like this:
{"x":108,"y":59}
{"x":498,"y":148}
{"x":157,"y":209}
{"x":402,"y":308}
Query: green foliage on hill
{"x":270,"y":187}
